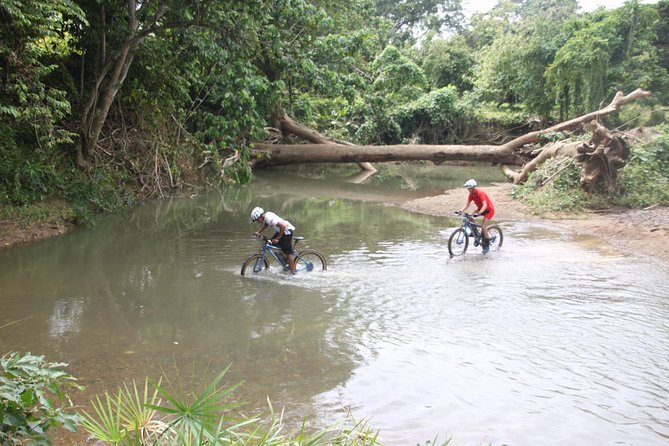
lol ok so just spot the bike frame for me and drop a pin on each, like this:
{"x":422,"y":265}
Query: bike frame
{"x":471,"y":228}
{"x":276,"y":252}
{"x":459,"y":239}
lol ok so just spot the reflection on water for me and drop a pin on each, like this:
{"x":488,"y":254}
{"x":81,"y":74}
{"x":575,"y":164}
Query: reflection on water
{"x":552,"y":340}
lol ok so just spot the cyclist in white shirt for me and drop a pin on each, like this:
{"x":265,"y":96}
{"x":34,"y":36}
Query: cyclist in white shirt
{"x":284,"y":232}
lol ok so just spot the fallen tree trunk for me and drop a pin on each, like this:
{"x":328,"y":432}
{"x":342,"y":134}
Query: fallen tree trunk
{"x":602,"y":156}
{"x":282,"y":154}
{"x":548,"y":151}
{"x":266,"y":155}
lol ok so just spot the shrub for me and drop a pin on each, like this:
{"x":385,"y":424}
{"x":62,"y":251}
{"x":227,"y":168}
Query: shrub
{"x":645,"y":180}
{"x":28,"y":409}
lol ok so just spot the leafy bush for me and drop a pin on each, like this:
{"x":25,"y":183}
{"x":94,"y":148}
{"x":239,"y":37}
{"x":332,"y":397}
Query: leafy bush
{"x":27,"y":408}
{"x":645,"y":179}
{"x":546,"y":194}
{"x":436,"y":117}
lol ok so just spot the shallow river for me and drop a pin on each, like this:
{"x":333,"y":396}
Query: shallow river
{"x":556,"y":339}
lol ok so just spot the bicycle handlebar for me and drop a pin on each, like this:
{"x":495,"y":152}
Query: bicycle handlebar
{"x":263,"y":238}
{"x":466,"y":215}
{"x":268,"y":241}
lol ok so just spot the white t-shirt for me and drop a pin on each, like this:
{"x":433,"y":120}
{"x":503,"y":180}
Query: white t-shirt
{"x":271,"y":219}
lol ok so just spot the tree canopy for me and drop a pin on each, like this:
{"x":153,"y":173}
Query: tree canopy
{"x":153,"y":94}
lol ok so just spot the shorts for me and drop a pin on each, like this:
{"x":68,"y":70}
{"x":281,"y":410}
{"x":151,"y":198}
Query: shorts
{"x":285,"y":243}
{"x":488,"y":214}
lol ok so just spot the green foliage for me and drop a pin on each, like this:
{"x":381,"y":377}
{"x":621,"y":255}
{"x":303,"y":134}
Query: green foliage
{"x":160,"y":414}
{"x":606,"y":52}
{"x":511,"y":68}
{"x":492,"y":114}
{"x":408,"y":16}
{"x":645,"y":179}
{"x":643,"y":182}
{"x":447,"y":62}
{"x":548,"y":194}
{"x":436,"y":117}
{"x":31,"y":399}
{"x":210,"y":77}
{"x":396,"y":75}
{"x":33,"y":39}
{"x":30,"y":178}
{"x":552,"y":137}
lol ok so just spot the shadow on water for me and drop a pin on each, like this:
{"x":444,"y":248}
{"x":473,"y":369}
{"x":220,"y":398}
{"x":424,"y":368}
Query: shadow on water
{"x":552,"y":340}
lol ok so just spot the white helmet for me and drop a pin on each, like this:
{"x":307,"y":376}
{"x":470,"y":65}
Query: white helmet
{"x":256,"y":212}
{"x":470,"y":184}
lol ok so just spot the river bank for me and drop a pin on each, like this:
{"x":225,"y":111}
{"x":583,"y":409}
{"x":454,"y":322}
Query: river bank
{"x":644,"y":231}
{"x":19,"y":226}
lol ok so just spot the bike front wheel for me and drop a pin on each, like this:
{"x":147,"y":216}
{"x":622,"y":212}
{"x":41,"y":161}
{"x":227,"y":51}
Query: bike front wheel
{"x":458,"y":242}
{"x":254,"y":264}
{"x":496,"y":237}
{"x":310,"y":260}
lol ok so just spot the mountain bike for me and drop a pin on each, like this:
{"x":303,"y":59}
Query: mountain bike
{"x":458,"y":242}
{"x":305,"y":261}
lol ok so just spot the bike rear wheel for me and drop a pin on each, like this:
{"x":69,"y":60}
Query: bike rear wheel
{"x":254,"y":264}
{"x":310,"y":260}
{"x":496,"y":237}
{"x":458,"y":243}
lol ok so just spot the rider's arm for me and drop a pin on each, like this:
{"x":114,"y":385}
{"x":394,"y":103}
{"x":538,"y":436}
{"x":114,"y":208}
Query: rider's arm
{"x":282,"y":229}
{"x":264,"y":226}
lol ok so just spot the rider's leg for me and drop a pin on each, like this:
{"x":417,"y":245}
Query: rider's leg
{"x":286,"y":244}
{"x":484,"y":229}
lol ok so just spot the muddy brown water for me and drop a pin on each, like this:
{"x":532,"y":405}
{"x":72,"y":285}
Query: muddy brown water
{"x":556,"y":339}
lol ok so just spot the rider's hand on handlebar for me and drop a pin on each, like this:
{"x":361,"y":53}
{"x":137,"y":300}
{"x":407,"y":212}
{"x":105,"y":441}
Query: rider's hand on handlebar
{"x":458,"y":212}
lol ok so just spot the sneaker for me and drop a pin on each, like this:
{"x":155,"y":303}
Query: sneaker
{"x":485,"y":244}
{"x":476,"y":243}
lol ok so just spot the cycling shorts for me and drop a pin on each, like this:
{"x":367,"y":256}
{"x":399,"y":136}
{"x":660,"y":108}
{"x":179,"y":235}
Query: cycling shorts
{"x":285,"y":243}
{"x":488,"y":214}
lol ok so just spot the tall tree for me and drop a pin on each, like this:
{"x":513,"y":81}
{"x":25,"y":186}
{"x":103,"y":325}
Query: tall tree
{"x":120,"y":28}
{"x":607,"y":51}
{"x":410,"y":17}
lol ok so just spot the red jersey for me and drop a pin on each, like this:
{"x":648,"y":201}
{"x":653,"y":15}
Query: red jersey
{"x":479,"y":197}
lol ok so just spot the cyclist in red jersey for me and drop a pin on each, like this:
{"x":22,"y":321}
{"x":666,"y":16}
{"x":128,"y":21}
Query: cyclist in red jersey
{"x":484,"y":207}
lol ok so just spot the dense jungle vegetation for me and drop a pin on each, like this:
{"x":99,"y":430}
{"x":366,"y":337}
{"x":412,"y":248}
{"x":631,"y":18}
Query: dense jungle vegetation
{"x":106,"y":102}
